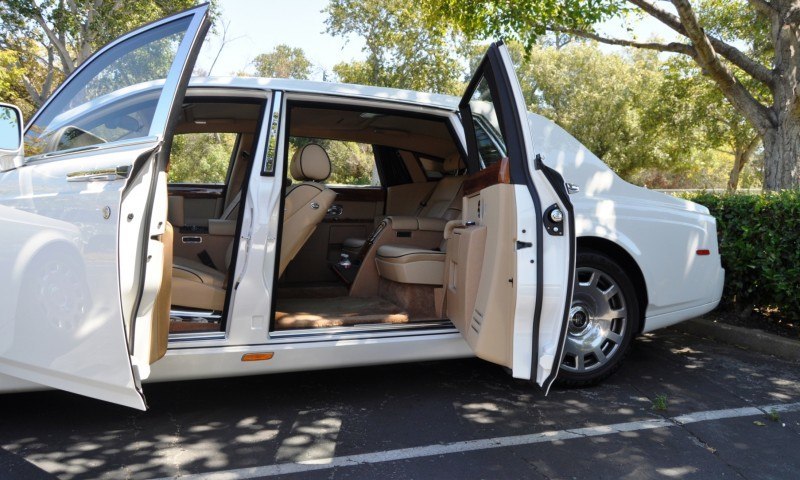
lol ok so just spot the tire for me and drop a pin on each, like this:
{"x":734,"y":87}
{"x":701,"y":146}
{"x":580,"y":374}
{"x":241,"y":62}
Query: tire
{"x":603,"y":320}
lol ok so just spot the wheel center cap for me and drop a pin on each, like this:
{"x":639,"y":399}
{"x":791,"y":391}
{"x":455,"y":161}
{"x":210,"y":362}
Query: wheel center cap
{"x":578,"y":319}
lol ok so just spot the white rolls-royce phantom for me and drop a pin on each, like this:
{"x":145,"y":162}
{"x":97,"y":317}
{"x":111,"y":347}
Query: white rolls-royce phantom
{"x":484,"y":230}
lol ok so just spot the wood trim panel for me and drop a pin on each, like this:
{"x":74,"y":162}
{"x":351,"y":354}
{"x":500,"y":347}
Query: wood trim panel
{"x":498,"y":172}
{"x":358,"y":194}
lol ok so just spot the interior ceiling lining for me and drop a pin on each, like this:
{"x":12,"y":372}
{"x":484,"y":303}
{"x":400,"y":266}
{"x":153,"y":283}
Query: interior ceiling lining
{"x":430,"y":137}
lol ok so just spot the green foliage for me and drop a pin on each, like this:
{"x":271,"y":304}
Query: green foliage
{"x":351,"y":163}
{"x":11,"y":89}
{"x":660,"y":403}
{"x":522,"y":20}
{"x":283,"y":62}
{"x":403,"y":49}
{"x":200,"y":157}
{"x":600,"y":99}
{"x":759,"y":238}
{"x":629,"y":110}
{"x":50,"y":38}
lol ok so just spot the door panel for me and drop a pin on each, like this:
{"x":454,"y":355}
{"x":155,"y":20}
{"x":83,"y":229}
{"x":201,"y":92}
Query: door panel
{"x":85,"y":214}
{"x":520,"y":314}
{"x":63,"y":325}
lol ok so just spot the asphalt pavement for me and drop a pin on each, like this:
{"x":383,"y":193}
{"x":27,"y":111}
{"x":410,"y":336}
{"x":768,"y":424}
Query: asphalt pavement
{"x":730,"y":413}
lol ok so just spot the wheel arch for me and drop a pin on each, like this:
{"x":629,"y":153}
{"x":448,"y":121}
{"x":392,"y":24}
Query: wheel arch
{"x":624,"y":260}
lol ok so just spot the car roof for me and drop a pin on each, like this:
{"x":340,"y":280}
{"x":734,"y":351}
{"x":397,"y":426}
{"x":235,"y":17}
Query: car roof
{"x":434,"y":100}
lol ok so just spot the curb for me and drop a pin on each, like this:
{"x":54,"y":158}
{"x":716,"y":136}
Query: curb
{"x":748,"y":338}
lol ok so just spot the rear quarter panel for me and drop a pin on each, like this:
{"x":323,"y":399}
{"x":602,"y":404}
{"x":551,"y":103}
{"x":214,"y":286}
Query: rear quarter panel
{"x":661,"y":233}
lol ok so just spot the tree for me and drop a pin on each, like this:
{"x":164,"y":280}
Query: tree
{"x":736,"y":43}
{"x":597,"y":97}
{"x":200,"y":157}
{"x":283,"y":62}
{"x":50,"y":38}
{"x":702,"y":118}
{"x":403,"y":51}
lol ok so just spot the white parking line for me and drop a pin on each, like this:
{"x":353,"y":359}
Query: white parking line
{"x":484,"y":444}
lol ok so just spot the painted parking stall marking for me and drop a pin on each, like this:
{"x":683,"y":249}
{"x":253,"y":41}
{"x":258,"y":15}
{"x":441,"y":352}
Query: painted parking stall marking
{"x":485,"y":444}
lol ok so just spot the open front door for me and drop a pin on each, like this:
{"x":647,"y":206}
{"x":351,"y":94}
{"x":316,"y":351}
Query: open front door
{"x":85,"y":216}
{"x":510,"y":267}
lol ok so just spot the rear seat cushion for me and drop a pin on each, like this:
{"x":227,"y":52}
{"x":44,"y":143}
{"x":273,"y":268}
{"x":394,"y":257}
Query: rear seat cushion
{"x":405,"y":264}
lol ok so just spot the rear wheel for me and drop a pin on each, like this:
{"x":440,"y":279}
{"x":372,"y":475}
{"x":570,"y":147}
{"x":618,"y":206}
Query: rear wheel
{"x":603,"y":320}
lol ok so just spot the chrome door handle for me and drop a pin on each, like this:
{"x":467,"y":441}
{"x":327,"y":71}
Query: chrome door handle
{"x":100,"y":175}
{"x":572,"y":188}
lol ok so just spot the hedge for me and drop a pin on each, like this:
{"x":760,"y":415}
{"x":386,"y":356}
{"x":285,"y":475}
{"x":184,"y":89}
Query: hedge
{"x":759,"y":236}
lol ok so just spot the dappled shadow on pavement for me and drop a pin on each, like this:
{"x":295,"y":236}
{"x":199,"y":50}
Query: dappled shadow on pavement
{"x":202,"y":426}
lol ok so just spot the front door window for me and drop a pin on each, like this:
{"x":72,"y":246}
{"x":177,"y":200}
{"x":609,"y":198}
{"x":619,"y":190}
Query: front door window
{"x":113,"y":98}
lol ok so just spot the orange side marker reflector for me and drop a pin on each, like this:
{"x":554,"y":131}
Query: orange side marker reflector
{"x":257,"y":357}
{"x":704,"y":252}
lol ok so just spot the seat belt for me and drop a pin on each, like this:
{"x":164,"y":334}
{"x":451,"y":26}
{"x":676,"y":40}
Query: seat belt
{"x":424,"y":202}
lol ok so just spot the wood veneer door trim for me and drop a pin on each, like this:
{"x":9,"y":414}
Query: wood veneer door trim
{"x":497,"y":173}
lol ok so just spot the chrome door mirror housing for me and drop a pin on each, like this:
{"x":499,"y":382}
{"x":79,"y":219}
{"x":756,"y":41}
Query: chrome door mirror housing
{"x":11,"y":145}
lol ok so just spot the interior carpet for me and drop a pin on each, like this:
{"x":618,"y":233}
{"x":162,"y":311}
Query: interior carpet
{"x":335,"y":312}
{"x":177,"y":326}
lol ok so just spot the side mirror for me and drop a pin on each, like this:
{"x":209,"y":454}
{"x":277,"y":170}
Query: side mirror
{"x":11,"y":145}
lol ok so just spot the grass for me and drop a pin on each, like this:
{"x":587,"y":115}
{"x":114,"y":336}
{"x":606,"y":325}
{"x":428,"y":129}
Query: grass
{"x":660,"y":403}
{"x":773,"y":415}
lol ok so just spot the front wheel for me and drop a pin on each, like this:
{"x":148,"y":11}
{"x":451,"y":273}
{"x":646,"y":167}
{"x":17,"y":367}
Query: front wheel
{"x":603,"y":320}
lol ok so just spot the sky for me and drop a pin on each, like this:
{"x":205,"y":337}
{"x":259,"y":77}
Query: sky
{"x":257,"y":26}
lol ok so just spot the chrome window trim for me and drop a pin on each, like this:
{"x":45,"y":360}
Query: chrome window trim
{"x":273,"y":133}
{"x":93,"y":148}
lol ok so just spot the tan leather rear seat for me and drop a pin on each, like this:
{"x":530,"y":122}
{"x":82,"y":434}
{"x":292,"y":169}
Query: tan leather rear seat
{"x":443,"y":203}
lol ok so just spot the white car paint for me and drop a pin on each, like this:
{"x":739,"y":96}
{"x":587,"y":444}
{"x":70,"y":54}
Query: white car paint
{"x":697,"y":289}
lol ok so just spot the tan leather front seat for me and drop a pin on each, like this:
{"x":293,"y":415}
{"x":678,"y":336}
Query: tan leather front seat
{"x":306,"y":203}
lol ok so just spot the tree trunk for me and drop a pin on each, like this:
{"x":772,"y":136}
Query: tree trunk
{"x":782,"y":137}
{"x":738,"y":165}
{"x":782,"y":154}
{"x":742,"y":156}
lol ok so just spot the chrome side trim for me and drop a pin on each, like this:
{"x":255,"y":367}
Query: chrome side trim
{"x":339,"y":332}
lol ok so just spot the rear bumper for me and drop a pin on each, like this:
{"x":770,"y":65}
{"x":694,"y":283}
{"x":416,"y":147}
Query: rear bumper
{"x":686,"y":312}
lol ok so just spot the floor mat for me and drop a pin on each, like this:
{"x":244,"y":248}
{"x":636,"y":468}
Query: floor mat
{"x":187,"y":327}
{"x":335,"y":312}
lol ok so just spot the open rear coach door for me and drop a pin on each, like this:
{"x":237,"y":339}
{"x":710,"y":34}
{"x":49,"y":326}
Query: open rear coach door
{"x":87,"y":218}
{"x":510,"y":265}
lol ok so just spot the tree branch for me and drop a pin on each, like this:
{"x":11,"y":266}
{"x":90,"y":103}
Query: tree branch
{"x":731,"y":53}
{"x":60,"y":47}
{"x":763,"y":6}
{"x":759,"y":115}
{"x":673,"y":47}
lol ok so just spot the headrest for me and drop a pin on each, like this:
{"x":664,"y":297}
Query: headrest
{"x":453,"y":163}
{"x":310,"y":162}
